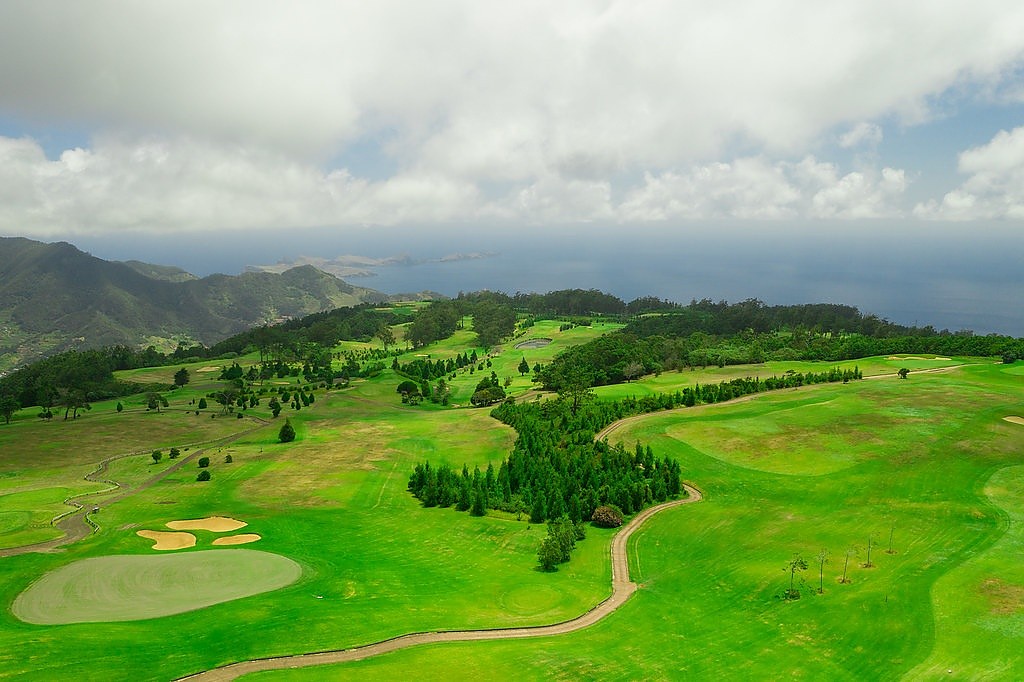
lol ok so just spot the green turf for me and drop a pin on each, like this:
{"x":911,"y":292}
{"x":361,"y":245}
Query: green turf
{"x":943,"y":474}
{"x":136,"y":587}
{"x":928,"y":457}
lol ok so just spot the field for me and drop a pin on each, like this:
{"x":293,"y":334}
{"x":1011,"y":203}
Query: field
{"x":925,"y":469}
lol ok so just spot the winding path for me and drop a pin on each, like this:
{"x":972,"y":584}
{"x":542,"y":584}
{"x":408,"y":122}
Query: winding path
{"x":622,"y":588}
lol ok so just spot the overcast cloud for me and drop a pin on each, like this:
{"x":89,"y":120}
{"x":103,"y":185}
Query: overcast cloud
{"x":240,"y":115}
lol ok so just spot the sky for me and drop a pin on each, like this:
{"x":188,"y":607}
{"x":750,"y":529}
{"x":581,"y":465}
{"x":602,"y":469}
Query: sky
{"x":133,"y":126}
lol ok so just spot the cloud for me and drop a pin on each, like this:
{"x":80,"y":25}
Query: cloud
{"x":233,"y":114}
{"x":180,"y":184}
{"x":862,"y":134}
{"x":754,"y":188}
{"x":488,"y":89}
{"x":995,"y":188}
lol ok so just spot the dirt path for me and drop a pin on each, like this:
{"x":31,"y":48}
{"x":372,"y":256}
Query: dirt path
{"x":77,"y":525}
{"x":622,"y":588}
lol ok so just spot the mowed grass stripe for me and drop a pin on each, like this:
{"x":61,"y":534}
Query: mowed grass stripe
{"x":136,"y":587}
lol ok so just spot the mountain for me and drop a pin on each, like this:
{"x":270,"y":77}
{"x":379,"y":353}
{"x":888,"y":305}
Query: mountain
{"x":54,"y":297}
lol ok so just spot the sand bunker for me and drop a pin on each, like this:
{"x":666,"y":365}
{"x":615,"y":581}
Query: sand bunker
{"x":243,"y":539}
{"x":208,"y":369}
{"x":1014,"y":420}
{"x":914,"y":357}
{"x":532,"y":343}
{"x":165,"y":540}
{"x":216,"y":524}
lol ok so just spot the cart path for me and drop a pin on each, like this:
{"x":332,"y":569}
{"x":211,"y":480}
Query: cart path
{"x":622,"y":588}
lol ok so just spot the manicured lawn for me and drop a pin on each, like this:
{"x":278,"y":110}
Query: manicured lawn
{"x":943,"y":475}
{"x":135,"y":587}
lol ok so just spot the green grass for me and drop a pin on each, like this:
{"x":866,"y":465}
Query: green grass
{"x":136,"y":587}
{"x":822,"y":467}
{"x":335,"y":502}
{"x":672,"y":381}
{"x":943,"y":473}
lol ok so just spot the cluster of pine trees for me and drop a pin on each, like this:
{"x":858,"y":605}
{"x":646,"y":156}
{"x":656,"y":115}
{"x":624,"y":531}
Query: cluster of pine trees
{"x":556,"y":468}
{"x":424,"y":368}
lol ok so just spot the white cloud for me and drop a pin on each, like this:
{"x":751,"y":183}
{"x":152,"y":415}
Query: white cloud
{"x":183,"y":185}
{"x":242,"y":105}
{"x":862,"y":134}
{"x":753,"y":188}
{"x":994,"y":188}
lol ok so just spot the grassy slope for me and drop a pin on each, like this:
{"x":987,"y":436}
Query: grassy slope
{"x":944,"y":472}
{"x":335,"y":502}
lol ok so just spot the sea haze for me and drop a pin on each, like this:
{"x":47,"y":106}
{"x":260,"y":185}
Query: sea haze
{"x":909,"y":273}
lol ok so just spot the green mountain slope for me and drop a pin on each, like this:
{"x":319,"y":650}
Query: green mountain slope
{"x":54,"y":297}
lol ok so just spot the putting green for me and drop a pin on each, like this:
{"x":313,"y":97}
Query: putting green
{"x":139,"y":586}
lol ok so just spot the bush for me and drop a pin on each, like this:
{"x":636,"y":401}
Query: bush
{"x":204,"y":462}
{"x":228,"y":460}
{"x":202,"y":403}
{"x":287,"y":432}
{"x":408,"y":387}
{"x":608,"y":516}
{"x":204,"y":475}
{"x":173,"y":454}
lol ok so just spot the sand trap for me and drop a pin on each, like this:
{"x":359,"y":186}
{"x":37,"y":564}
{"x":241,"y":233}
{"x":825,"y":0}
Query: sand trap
{"x":208,"y":369}
{"x":165,"y":540}
{"x":914,"y":357}
{"x":243,"y":539}
{"x":216,"y":524}
{"x":1014,"y":420}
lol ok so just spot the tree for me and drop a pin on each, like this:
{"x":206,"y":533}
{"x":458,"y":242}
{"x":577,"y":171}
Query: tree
{"x":157,"y":456}
{"x":228,"y":459}
{"x":797,"y":563}
{"x":607,"y":516}
{"x":154,"y":401}
{"x":386,"y":336}
{"x":120,"y":407}
{"x":524,"y":367}
{"x":867,"y":563}
{"x":287,"y":432}
{"x":903,"y":372}
{"x":822,"y":560}
{"x":275,"y":406}
{"x":204,"y":475}
{"x":181,"y":377}
{"x":173,"y":454}
{"x":479,"y":507}
{"x":846,"y":565}
{"x":574,"y":385}
{"x":632,"y":370}
{"x":548,"y":554}
{"x":202,"y":404}
{"x":203,"y":462}
{"x":73,"y":400}
{"x":8,"y":406}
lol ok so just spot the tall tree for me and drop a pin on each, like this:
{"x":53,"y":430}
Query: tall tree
{"x":181,"y":377}
{"x":386,"y":335}
{"x":8,"y":406}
